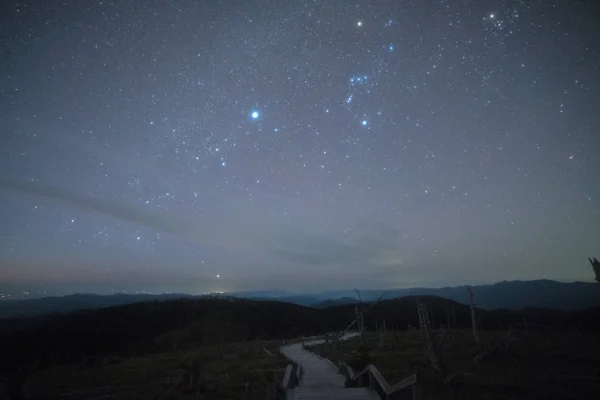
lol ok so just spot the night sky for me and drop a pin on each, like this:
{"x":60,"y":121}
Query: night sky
{"x":197,"y":146}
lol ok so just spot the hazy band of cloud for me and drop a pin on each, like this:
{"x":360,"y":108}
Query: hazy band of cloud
{"x":254,"y":239}
{"x":154,"y":220}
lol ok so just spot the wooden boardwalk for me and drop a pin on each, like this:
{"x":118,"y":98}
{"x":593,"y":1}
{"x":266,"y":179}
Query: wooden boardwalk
{"x":320,"y":379}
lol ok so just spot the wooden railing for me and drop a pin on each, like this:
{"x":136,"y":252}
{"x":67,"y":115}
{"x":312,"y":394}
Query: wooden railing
{"x":291,"y":379}
{"x":409,"y":388}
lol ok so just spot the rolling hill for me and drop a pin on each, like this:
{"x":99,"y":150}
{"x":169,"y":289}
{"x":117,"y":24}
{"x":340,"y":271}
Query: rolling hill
{"x":513,"y":295}
{"x":163,"y":326}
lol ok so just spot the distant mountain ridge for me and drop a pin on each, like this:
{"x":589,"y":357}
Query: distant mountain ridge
{"x":84,"y":301}
{"x":512,"y":295}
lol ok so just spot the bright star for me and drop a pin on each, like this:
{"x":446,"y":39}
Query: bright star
{"x":255,"y":114}
{"x":364,"y":122}
{"x":359,"y":24}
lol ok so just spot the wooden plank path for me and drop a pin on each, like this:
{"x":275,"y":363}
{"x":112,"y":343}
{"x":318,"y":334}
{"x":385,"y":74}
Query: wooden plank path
{"x":321,"y":379}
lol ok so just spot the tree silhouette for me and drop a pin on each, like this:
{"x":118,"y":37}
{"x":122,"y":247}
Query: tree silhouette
{"x":596,"y":266}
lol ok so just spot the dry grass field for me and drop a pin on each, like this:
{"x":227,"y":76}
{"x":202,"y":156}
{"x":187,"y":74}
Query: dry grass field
{"x":537,"y":364}
{"x":229,"y":371}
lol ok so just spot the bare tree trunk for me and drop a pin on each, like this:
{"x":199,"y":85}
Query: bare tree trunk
{"x":433,"y":350}
{"x":421,"y":327}
{"x":454,"y":318}
{"x":596,"y":267}
{"x":363,"y":339}
{"x":356,"y":320}
{"x":474,"y":322}
{"x":431,"y":318}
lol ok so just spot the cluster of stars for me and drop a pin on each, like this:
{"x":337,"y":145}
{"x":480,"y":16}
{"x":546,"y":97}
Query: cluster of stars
{"x":318,"y":118}
{"x":505,"y":22}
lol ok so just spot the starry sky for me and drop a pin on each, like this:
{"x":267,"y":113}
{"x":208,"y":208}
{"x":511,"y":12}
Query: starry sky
{"x":197,"y":146}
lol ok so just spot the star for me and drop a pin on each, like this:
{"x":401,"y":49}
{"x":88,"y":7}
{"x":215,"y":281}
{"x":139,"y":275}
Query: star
{"x":176,"y":134}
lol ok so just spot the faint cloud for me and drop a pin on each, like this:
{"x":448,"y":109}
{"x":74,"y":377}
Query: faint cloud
{"x":377,"y":248}
{"x":155,"y":220}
